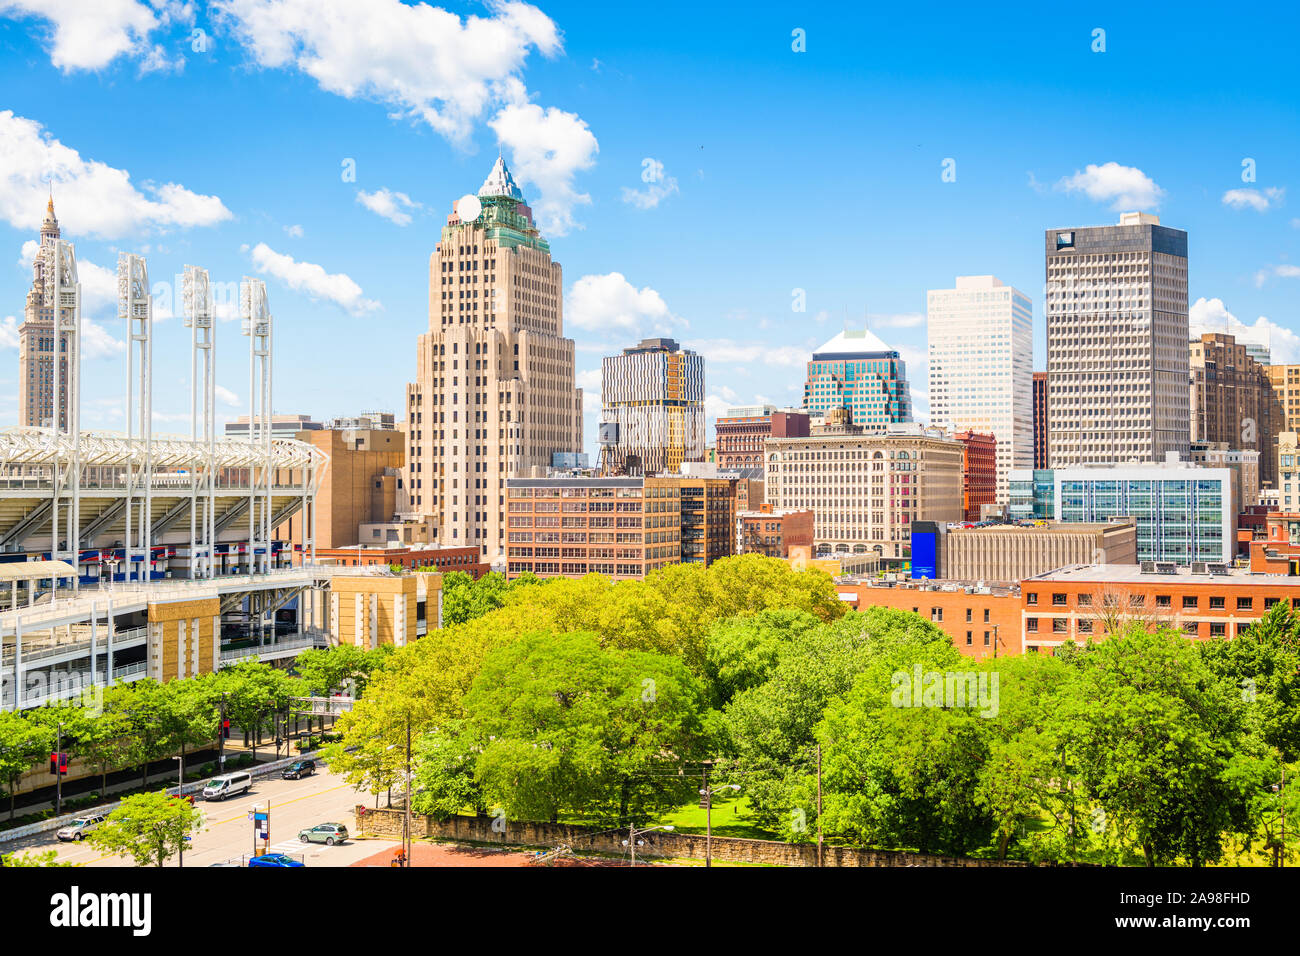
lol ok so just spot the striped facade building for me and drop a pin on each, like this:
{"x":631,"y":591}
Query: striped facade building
{"x":653,"y":416}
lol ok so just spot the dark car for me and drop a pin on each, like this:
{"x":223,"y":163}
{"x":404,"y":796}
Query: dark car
{"x":297,"y":771}
{"x":274,"y":859}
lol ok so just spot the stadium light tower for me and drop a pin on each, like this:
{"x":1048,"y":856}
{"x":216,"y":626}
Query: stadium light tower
{"x":63,"y":295}
{"x":257,"y":326}
{"x":135,"y":306}
{"x":203,"y":385}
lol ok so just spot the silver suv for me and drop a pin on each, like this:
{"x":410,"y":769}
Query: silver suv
{"x":79,"y":827}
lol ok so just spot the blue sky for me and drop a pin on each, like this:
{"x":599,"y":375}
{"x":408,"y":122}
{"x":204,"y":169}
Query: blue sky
{"x":766,"y":170}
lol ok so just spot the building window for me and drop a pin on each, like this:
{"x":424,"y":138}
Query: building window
{"x":1031,"y":625}
{"x":1245,"y":603}
{"x":968,"y":638}
{"x":1058,"y":600}
{"x":1269,"y":602}
{"x":1189,"y":601}
{"x":1164,"y":600}
{"x":1032,"y":598}
{"x":1219,"y":604}
{"x":1060,"y":625}
{"x":1085,"y":627}
{"x":1217,"y":630}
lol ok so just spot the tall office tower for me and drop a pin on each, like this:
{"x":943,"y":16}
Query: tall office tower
{"x":1285,"y":380}
{"x":494,"y":396}
{"x":857,"y":371}
{"x":653,"y":417}
{"x":1041,"y":445}
{"x":1232,"y":400}
{"x":36,"y":342}
{"x":982,"y":367}
{"x":1117,"y":342}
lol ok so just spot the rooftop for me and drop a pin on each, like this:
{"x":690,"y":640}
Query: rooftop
{"x":853,"y":342}
{"x":501,"y":183}
{"x":1180,"y":574}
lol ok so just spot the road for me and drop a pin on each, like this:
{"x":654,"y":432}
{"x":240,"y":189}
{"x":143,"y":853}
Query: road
{"x":228,"y":833}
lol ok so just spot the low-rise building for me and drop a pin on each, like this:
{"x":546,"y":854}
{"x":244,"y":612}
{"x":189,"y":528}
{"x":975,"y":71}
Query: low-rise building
{"x":467,"y":559}
{"x":1009,"y":553}
{"x":866,"y":489}
{"x":1184,"y":513}
{"x":982,"y":621}
{"x":774,"y":531}
{"x":1078,"y":604}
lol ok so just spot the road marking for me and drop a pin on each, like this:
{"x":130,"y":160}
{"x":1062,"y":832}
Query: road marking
{"x":244,"y":816}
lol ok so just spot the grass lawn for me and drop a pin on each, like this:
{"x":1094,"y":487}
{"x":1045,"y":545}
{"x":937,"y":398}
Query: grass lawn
{"x":729,"y":819}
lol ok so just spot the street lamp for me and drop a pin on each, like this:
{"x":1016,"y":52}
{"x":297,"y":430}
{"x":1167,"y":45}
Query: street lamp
{"x":633,"y":833}
{"x":707,"y":794}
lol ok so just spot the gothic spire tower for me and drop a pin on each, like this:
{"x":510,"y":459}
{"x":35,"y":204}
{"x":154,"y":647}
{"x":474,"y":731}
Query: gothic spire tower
{"x":494,"y":396}
{"x":36,"y":400}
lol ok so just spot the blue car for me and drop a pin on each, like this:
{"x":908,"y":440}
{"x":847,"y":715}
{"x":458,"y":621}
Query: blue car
{"x":273,"y":859}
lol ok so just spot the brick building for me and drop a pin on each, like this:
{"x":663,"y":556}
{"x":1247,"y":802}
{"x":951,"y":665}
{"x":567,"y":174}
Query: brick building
{"x":979,"y":472}
{"x":982,"y":622}
{"x":742,"y":431}
{"x":773,"y":531}
{"x":465,"y":559}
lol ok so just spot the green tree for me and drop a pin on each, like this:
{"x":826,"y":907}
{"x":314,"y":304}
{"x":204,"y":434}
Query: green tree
{"x":48,"y":858}
{"x":149,"y":827}
{"x":324,"y":670}
{"x":1153,"y":731}
{"x":564,"y":726}
{"x":464,"y":598}
{"x":742,"y":652}
{"x":445,"y":777}
{"x":23,"y":742}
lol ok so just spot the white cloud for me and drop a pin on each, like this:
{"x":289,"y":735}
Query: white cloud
{"x":589,"y":382}
{"x":28,"y":254}
{"x":225,"y":395}
{"x":1124,"y":187}
{"x":1211,"y":315}
{"x":1284,"y":271}
{"x":89,"y":36}
{"x":716,"y":405}
{"x":98,"y":288}
{"x":610,"y":303}
{"x":294,"y":232}
{"x":896,"y":320}
{"x":658,"y":186}
{"x":548,"y":148}
{"x":434,"y":67}
{"x":1254,"y":198}
{"x":748,"y":352}
{"x":98,"y":342}
{"x":9,"y":333}
{"x":312,"y":279}
{"x":388,"y":204}
{"x":91,"y":197}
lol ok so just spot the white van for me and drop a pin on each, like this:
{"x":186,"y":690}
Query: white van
{"x":227,"y":785}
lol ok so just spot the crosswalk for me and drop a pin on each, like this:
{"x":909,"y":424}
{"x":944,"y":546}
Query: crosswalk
{"x":294,"y":847}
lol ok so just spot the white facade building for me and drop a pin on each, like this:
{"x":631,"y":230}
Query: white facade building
{"x":981,"y":339}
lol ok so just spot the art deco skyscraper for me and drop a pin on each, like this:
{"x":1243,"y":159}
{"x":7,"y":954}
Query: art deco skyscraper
{"x":981,"y":339}
{"x":1117,"y":361}
{"x":653,"y":408}
{"x":36,"y":400}
{"x":494,"y":396}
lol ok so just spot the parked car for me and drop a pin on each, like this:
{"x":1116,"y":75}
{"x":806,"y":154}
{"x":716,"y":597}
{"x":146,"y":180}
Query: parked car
{"x":296,"y":771}
{"x":79,"y":827}
{"x":227,"y":785}
{"x":327,"y":833}
{"x":274,"y":859}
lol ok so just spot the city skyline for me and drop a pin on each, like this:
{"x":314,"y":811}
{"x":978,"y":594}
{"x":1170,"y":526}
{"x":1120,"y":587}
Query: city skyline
{"x":346,"y":259}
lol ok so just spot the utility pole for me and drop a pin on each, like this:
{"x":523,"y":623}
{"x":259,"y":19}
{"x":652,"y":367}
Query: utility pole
{"x":708,"y":818}
{"x":995,"y":642}
{"x":221,"y":737}
{"x":406,"y":817}
{"x":631,"y":842}
{"x":58,"y":765}
{"x":819,"y":805}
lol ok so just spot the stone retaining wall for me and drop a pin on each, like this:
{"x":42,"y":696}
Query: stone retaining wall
{"x":660,"y":843}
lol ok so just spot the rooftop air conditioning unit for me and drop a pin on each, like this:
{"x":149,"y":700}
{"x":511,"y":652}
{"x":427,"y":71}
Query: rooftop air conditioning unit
{"x":1148,"y":567}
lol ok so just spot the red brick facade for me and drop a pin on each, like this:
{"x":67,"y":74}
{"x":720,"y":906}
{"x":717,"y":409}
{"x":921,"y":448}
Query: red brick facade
{"x":979,"y":471}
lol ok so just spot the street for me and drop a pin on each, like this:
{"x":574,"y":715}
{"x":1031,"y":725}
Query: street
{"x":228,"y":833}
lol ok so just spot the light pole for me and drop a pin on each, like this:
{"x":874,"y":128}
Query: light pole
{"x":633,"y":833}
{"x":406,"y":811}
{"x":707,"y":794}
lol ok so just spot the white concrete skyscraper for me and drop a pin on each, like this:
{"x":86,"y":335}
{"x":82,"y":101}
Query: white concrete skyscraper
{"x":981,"y":339}
{"x":1117,"y":356}
{"x":494,"y":396}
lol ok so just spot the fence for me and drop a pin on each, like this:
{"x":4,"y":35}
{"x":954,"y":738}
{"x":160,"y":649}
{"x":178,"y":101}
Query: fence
{"x":32,"y":829}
